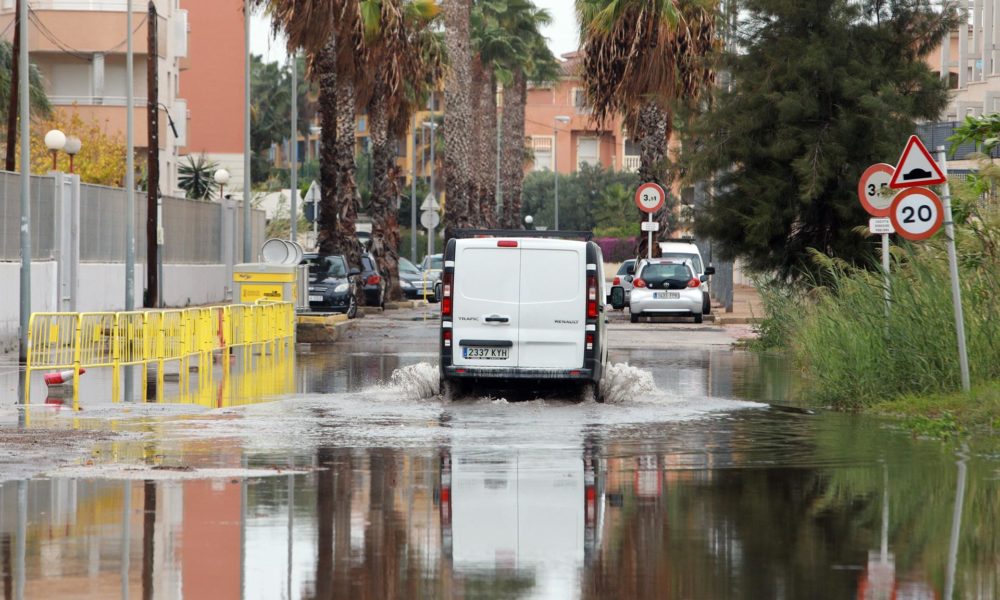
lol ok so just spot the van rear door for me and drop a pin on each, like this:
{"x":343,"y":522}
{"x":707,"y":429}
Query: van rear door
{"x":487,"y":287}
{"x":553,"y":304}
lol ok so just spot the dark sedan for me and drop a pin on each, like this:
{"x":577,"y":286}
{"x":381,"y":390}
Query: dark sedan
{"x":330,"y":284}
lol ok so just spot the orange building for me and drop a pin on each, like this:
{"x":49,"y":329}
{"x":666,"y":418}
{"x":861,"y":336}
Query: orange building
{"x":556,"y":117}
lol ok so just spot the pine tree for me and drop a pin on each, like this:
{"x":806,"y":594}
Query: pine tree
{"x":820,"y":91}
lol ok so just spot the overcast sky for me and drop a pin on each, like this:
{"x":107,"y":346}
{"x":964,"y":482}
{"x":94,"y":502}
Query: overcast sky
{"x":562,"y":34}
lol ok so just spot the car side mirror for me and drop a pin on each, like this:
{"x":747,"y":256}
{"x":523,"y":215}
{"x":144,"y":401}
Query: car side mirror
{"x":618,"y":297}
{"x":353,"y":273}
{"x":710,"y":270}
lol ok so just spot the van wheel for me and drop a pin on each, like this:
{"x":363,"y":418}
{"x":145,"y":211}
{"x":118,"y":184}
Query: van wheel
{"x":591,"y":390}
{"x":633,"y":317}
{"x":699,"y":318}
{"x":451,"y":390}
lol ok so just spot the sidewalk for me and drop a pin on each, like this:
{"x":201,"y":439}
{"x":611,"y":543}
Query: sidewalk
{"x":747,"y":307}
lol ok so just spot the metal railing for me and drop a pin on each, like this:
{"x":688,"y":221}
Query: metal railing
{"x":630,"y":163}
{"x":79,"y":341}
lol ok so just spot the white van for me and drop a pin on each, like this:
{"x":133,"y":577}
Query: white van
{"x":522,"y":308}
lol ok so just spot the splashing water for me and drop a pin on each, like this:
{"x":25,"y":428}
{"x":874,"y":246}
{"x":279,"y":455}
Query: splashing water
{"x":623,"y":383}
{"x":419,"y":381}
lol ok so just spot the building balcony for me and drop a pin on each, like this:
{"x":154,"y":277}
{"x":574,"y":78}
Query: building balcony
{"x":630,"y":163}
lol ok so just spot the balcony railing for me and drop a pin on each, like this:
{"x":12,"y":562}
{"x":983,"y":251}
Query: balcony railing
{"x":630,"y":163}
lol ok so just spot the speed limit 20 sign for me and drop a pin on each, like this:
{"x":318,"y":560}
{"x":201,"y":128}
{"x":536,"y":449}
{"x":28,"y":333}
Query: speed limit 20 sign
{"x":650,"y":197}
{"x":916,"y":213}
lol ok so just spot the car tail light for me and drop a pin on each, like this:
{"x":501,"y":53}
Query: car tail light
{"x":639,"y":283}
{"x":591,"y":297}
{"x":447,"y":338}
{"x":373,"y":280}
{"x":507,"y":244}
{"x":446,"y":282}
{"x":617,"y":281}
{"x":694,"y":282}
{"x":589,"y":341}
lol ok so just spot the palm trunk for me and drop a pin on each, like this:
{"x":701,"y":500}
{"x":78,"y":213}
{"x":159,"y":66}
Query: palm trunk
{"x":459,"y":145}
{"x":652,"y":134}
{"x":385,"y":190}
{"x":328,"y":213}
{"x":10,"y":163}
{"x":512,"y":149}
{"x":486,"y":172}
{"x":347,"y":190}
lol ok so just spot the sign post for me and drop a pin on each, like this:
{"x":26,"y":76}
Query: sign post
{"x":956,"y":291}
{"x":430,"y":219}
{"x":873,"y":191}
{"x":650,"y":198}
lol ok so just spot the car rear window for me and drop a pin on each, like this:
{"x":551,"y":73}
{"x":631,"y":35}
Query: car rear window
{"x":623,"y":270}
{"x":677,"y":275}
{"x":433,"y":262}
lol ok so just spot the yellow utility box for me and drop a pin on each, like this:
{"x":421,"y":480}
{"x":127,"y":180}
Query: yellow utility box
{"x":269,"y":282}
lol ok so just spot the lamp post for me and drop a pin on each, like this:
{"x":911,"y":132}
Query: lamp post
{"x":222,"y":178}
{"x":555,"y":166}
{"x":55,"y":141}
{"x":528,"y":220}
{"x":227,"y":235}
{"x":73,"y":145}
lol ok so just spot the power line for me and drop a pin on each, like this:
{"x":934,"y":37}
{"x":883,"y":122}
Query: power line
{"x":70,"y":50}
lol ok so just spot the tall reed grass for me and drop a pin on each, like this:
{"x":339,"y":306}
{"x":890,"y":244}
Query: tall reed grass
{"x":853,"y":354}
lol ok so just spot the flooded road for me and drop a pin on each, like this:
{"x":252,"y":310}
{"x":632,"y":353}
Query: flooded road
{"x":703,"y":477}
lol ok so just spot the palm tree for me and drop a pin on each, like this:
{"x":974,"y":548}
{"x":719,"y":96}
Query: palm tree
{"x":197,"y":177}
{"x":459,"y":145}
{"x":641,"y":59}
{"x":404,"y":58}
{"x":8,"y":97}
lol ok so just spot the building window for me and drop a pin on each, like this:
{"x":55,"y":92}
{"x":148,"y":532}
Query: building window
{"x":541,"y":147}
{"x":588,"y":152}
{"x":579,"y":99}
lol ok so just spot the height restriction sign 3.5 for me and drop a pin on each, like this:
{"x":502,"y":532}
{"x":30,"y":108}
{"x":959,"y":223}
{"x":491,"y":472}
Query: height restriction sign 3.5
{"x":650,"y":197}
{"x":874,"y":191}
{"x":916,"y":213}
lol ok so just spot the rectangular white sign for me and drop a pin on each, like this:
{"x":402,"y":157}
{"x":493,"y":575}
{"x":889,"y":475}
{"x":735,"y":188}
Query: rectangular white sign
{"x":879,"y":225}
{"x":650,"y":226}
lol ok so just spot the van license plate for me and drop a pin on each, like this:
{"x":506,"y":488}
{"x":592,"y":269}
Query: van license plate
{"x":478,"y":353}
{"x":667,"y":295}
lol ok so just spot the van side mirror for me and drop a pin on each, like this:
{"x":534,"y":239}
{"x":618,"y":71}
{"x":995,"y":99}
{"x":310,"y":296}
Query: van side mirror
{"x":709,"y":270}
{"x":618,"y":297}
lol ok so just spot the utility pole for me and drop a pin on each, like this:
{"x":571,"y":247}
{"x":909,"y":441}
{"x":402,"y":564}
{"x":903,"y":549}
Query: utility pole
{"x":152,"y":161}
{"x":25,"y":306}
{"x":129,"y":167}
{"x":413,"y":192}
{"x":10,"y":163}
{"x":293,"y":151}
{"x":247,"y":193}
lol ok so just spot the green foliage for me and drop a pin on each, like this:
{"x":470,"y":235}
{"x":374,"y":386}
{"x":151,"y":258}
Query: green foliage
{"x":39,"y":101}
{"x":590,"y":199}
{"x":983,"y":130}
{"x":197,"y":177}
{"x":790,"y":137}
{"x":853,"y":355}
{"x":271,"y":109}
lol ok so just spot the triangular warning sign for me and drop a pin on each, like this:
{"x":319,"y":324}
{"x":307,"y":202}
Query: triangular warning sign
{"x":916,"y":167}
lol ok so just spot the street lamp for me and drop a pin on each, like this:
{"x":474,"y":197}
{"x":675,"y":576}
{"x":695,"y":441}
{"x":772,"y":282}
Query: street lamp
{"x":222,"y":178}
{"x":528,"y":220}
{"x":55,"y":141}
{"x":555,"y":166}
{"x":73,"y":145}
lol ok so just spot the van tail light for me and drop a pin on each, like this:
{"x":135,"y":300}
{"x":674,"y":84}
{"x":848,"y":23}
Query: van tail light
{"x":639,"y":283}
{"x":446,"y":303}
{"x":694,"y":282}
{"x":617,"y":281}
{"x":589,"y":339}
{"x":373,"y":280}
{"x":591,"y":297}
{"x":446,"y":336}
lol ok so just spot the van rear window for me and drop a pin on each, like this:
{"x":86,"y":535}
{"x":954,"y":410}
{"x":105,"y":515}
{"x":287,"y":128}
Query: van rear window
{"x":695,"y":261}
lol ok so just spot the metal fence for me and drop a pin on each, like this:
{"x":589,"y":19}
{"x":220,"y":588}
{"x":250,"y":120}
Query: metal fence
{"x":192,"y":228}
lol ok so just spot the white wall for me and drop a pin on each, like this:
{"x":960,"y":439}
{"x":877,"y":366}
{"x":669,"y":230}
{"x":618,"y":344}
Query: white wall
{"x":102,"y":288}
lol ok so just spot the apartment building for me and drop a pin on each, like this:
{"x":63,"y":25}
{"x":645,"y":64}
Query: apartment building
{"x":80,"y":49}
{"x":560,"y":131}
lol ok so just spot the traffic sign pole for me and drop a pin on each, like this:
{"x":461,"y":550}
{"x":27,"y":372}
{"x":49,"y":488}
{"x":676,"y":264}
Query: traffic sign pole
{"x":956,"y":291}
{"x":885,"y":273}
{"x":649,"y":240}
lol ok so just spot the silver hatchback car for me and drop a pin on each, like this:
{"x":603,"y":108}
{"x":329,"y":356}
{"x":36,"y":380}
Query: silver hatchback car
{"x":666,"y":288}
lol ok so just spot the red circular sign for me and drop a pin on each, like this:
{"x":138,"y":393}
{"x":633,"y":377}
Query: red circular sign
{"x":916,"y":213}
{"x":650,"y":197}
{"x":872,"y":186}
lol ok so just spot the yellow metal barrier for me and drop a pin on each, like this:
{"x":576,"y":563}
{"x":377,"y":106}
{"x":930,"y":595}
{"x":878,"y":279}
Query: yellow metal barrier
{"x":79,"y":341}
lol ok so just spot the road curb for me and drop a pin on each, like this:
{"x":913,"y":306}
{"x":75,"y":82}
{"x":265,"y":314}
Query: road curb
{"x":322,"y":329}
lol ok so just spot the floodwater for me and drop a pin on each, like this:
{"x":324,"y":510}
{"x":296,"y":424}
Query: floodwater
{"x":702,"y":477}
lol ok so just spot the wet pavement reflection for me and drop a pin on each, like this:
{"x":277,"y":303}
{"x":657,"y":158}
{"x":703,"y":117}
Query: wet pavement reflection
{"x":709,"y":480}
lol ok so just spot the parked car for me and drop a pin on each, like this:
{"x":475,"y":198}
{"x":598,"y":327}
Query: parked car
{"x":624,"y":278}
{"x":522,"y":309}
{"x":330,"y":288}
{"x":666,"y":288}
{"x":432,"y":266}
{"x":686,"y":249}
{"x":374,"y":283}
{"x":411,"y":279}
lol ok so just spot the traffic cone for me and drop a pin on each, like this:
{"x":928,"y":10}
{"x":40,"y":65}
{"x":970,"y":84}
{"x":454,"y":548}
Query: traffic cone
{"x":61,"y":377}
